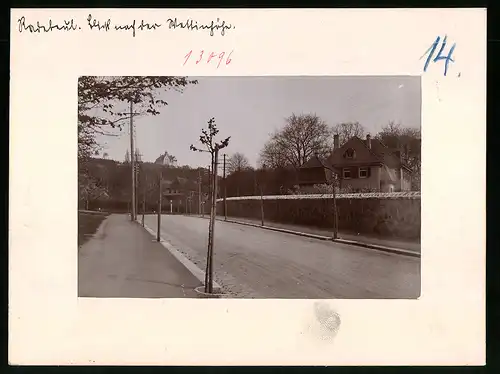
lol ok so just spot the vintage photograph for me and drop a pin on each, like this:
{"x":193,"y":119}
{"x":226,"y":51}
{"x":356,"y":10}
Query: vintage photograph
{"x":295,"y":187}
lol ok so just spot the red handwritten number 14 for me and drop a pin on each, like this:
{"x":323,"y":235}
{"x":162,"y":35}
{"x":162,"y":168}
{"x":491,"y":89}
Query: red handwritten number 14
{"x":210,"y":57}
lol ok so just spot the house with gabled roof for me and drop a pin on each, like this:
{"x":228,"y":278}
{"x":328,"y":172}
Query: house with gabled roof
{"x":360,"y":165}
{"x":178,"y":188}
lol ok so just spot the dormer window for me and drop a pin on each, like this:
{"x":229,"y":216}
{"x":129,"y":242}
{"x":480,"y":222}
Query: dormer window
{"x":350,"y":154}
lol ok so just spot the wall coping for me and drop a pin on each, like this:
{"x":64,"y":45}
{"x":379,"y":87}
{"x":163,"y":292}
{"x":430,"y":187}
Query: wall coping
{"x":409,"y":195}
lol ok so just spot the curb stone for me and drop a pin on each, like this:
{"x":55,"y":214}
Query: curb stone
{"x":381,"y":248}
{"x":188,"y":264}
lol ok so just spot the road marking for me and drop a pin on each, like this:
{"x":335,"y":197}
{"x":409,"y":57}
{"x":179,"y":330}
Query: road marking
{"x":188,"y":264}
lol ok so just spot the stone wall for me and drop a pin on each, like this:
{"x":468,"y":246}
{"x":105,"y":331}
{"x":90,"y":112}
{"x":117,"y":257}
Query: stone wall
{"x":373,"y":214}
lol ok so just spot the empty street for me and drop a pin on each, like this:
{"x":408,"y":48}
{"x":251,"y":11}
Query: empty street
{"x":257,"y":263}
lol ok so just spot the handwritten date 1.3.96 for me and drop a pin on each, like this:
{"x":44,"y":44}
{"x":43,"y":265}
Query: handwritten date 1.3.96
{"x":208,"y":57}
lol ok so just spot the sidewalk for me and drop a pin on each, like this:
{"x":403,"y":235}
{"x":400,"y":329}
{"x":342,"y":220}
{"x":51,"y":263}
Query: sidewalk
{"x":123,"y":260}
{"x":405,"y":245}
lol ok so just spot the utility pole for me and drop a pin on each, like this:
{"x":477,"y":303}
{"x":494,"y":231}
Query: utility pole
{"x":261,"y":184}
{"x":159,"y":207}
{"x":261,"y":207}
{"x":137,"y":175}
{"x":332,"y":179}
{"x":132,"y":160}
{"x":199,"y":192}
{"x":225,"y":189}
{"x":210,"y":174}
{"x":335,"y":213}
{"x":144,"y":198}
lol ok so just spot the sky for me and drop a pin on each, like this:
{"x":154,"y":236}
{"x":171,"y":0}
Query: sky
{"x":249,"y":109}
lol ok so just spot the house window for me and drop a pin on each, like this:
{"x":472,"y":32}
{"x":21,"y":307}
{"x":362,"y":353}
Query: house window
{"x":363,"y":172}
{"x":346,"y":173}
{"x":350,"y":153}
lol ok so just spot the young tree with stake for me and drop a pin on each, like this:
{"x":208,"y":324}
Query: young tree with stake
{"x":212,"y":147}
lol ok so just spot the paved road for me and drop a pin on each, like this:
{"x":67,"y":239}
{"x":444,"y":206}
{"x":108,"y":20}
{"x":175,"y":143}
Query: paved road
{"x":252,"y":262}
{"x":406,"y":245}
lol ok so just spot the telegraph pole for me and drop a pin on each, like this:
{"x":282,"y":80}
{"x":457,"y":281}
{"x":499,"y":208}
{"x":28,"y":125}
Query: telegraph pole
{"x":144,"y":198}
{"x":225,"y":188}
{"x":261,"y":207}
{"x":261,"y":187}
{"x":332,"y":179}
{"x":137,"y":182}
{"x":159,"y":207}
{"x":199,"y":192}
{"x":132,"y":160}
{"x":210,"y":172}
{"x":191,"y":202}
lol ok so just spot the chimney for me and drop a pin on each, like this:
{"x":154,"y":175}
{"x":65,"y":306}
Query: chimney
{"x":336,"y":142}
{"x":369,"y":141}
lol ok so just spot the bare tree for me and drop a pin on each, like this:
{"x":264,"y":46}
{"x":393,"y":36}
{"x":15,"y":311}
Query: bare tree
{"x":273,"y":156}
{"x":301,"y":137}
{"x":407,"y":140}
{"x":347,"y":130}
{"x":237,"y":162}
{"x":89,"y":188}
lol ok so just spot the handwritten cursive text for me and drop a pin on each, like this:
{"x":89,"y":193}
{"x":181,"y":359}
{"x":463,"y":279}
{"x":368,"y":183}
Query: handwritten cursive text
{"x":96,"y":24}
{"x":133,"y":26}
{"x":192,"y":25}
{"x":67,"y":25}
{"x":106,"y":25}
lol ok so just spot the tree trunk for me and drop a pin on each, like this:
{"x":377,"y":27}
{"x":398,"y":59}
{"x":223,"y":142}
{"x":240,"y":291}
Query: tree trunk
{"x":213,"y":208}
{"x":208,"y":280}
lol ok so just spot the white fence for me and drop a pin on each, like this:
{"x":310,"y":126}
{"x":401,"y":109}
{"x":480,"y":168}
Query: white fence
{"x":369,"y":195}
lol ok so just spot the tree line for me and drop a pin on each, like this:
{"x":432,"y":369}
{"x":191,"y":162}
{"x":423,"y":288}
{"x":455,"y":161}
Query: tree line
{"x":103,"y":105}
{"x":305,"y":136}
{"x":102,"y":179}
